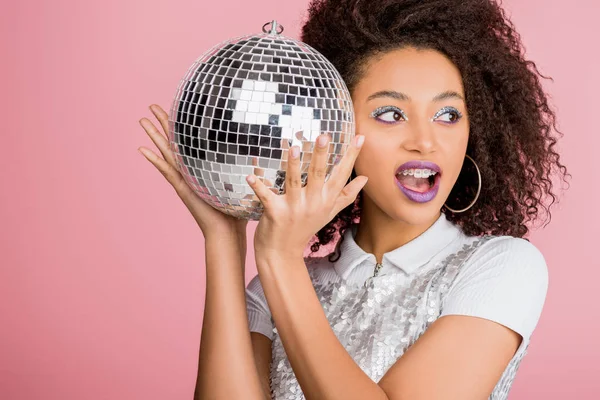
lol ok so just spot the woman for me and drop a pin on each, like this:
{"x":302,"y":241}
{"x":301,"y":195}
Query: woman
{"x":431,"y":292}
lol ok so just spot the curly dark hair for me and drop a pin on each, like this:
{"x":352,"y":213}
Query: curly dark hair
{"x":512,"y":125}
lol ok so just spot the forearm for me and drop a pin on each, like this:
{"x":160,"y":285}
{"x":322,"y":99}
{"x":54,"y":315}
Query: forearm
{"x":321,"y":364}
{"x":226,"y":368}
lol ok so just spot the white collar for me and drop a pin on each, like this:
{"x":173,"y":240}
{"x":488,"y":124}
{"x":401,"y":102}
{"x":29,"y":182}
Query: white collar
{"x":407,"y":257}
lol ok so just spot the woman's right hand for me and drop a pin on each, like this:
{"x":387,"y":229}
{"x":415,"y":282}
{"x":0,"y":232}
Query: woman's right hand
{"x":211,"y":221}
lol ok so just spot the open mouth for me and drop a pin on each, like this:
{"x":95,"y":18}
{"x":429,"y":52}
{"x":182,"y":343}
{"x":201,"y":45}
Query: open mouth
{"x":418,"y":180}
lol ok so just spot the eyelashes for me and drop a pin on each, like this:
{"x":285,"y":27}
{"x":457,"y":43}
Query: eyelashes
{"x":453,"y":114}
{"x":392,"y":115}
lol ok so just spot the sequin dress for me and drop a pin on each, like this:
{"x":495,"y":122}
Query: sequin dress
{"x":377,"y":321}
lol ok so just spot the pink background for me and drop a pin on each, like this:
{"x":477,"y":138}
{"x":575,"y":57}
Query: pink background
{"x":102,"y":279}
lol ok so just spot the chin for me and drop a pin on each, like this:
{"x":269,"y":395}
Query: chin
{"x":413,"y":208}
{"x":413,"y":213}
{"x":410,"y":207}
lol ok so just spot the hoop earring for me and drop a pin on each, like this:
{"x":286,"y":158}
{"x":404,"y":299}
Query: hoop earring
{"x":478,"y":189}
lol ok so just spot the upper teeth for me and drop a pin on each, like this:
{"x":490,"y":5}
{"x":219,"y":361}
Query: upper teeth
{"x":419,"y":173}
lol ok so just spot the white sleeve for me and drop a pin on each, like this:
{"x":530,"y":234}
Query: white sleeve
{"x":504,"y":281}
{"x":259,"y":315}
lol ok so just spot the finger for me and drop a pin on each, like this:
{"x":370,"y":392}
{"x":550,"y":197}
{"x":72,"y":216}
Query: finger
{"x":285,"y":147}
{"x":343,"y":170}
{"x":159,"y":140}
{"x":162,"y":117}
{"x":348,"y":193}
{"x":257,"y":170}
{"x":262,"y":192}
{"x":261,"y":173}
{"x":171,"y":174}
{"x":318,"y":164}
{"x":293,"y":180}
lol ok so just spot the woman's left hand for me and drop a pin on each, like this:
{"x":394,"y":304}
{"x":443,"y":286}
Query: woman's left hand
{"x":291,"y":219}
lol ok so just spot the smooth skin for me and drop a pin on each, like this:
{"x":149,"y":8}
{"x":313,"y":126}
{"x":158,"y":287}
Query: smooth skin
{"x":458,"y":357}
{"x":423,"y":82}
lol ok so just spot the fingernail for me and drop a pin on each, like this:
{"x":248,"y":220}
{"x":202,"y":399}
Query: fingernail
{"x":295,"y":152}
{"x":250,"y":179}
{"x":360,"y":140}
{"x":322,"y":140}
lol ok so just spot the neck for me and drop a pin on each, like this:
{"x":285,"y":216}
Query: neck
{"x":378,"y":234}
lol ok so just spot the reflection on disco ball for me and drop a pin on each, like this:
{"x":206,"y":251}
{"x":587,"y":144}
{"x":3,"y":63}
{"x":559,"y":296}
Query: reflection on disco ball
{"x":243,"y":104}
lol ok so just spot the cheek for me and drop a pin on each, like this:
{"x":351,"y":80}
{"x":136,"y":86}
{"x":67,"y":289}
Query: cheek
{"x":452,"y":173}
{"x":455,"y":157}
{"x":369,"y":160}
{"x":360,"y":163}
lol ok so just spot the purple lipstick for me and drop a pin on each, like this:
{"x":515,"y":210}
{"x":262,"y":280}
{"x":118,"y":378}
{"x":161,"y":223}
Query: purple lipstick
{"x":409,"y":168}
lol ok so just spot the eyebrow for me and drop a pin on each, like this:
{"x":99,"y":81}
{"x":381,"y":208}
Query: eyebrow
{"x":388,"y":93}
{"x":449,"y":94}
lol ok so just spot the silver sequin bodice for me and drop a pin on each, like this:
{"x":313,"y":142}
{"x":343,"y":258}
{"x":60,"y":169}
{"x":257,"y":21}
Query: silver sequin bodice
{"x":378,"y":322}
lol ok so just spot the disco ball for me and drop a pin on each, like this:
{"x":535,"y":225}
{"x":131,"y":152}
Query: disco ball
{"x":243,"y":104}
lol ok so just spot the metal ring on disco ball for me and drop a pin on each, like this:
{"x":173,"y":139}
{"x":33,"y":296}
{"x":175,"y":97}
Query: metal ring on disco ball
{"x":243,"y":104}
{"x":274,"y":28}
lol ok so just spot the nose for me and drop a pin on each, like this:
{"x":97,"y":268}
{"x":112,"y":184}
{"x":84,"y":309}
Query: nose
{"x":420,"y":138}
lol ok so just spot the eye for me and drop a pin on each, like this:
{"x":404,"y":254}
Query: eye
{"x":448,"y":115}
{"x":389,"y":114}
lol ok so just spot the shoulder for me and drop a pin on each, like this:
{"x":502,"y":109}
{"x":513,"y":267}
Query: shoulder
{"x":254,"y":285}
{"x":320,"y":269}
{"x":257,"y":309}
{"x":504,"y":280}
{"x":511,"y":246}
{"x":510,"y":257}
{"x":320,"y":261}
